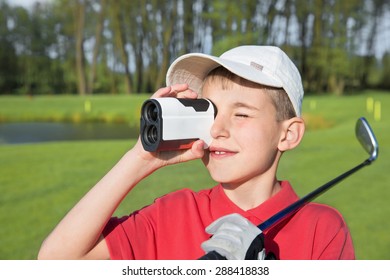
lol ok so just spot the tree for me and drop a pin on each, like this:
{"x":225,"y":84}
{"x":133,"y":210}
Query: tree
{"x":79,"y":7}
{"x":120,"y":39}
{"x":385,"y":81}
{"x":91,"y":46}
{"x":97,"y":45}
{"x":376,"y":9}
{"x":8,"y":57}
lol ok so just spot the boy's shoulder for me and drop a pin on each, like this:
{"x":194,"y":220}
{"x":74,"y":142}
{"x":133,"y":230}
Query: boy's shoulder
{"x":321,"y":214}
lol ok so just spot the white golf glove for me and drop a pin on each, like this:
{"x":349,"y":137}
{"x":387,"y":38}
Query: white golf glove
{"x":235,"y":238}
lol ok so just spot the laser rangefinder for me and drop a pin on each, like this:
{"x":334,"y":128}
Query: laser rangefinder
{"x":173,"y":124}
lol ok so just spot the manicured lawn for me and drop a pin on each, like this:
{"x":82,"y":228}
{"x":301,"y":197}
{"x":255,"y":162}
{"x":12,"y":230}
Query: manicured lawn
{"x":72,"y":108}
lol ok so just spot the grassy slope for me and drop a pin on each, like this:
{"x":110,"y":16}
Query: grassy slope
{"x":39,"y":183}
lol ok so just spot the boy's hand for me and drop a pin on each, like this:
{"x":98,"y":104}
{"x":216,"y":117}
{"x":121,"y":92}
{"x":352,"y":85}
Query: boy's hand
{"x":160,"y":159}
{"x":235,"y":238}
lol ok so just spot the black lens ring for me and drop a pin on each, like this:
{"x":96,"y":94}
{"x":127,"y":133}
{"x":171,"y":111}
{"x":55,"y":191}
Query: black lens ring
{"x":151,"y":112}
{"x":151,"y":134}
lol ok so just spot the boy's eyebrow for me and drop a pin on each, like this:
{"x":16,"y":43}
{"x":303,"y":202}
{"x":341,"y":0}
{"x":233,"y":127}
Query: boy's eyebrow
{"x":244,"y":105}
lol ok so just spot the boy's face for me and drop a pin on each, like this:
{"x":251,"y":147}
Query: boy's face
{"x":245,"y":134}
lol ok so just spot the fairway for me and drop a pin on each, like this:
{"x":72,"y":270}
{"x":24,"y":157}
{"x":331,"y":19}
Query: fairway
{"x":40,"y":182}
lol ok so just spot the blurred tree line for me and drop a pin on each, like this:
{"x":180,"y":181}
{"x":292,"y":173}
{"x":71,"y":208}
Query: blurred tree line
{"x":116,"y":46}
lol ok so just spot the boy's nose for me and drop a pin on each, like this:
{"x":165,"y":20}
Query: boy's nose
{"x":220,"y":127}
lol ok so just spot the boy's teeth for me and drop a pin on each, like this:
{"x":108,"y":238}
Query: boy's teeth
{"x":219,"y":153}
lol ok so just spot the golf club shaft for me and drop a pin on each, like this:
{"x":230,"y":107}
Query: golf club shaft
{"x":291,"y":209}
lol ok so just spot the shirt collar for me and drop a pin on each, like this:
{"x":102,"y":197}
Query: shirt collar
{"x":221,"y":205}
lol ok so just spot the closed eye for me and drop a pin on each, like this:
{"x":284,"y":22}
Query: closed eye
{"x":244,"y":110}
{"x":242,"y":115}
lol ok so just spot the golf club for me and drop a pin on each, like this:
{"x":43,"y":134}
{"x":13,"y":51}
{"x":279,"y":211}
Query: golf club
{"x":367,"y":139}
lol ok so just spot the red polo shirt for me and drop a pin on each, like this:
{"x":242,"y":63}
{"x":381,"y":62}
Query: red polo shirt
{"x":173,"y":227}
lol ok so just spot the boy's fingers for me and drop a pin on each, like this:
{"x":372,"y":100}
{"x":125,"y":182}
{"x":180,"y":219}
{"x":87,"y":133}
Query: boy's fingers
{"x":161,"y":92}
{"x":195,"y":152}
{"x":197,"y":149}
{"x":178,"y":90}
{"x":174,"y":157}
{"x":187,"y":94}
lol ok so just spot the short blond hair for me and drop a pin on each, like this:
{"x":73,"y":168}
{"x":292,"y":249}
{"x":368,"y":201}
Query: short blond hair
{"x":279,"y":97}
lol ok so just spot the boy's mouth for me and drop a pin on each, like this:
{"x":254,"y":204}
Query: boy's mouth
{"x":220,"y":152}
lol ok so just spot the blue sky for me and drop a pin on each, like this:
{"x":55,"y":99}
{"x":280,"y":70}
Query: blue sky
{"x":25,"y":3}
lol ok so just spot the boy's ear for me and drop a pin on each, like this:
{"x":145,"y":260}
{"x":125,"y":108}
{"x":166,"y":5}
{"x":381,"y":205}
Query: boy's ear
{"x":292,"y":134}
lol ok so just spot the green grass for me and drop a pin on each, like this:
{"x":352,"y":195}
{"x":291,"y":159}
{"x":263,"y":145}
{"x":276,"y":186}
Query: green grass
{"x":39,"y":183}
{"x":72,"y":108}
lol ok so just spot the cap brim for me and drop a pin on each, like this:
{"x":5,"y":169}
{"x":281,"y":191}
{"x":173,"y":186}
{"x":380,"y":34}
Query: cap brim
{"x":192,"y":69}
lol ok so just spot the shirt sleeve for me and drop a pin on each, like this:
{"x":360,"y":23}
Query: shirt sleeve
{"x":332,"y":240}
{"x":130,"y":237}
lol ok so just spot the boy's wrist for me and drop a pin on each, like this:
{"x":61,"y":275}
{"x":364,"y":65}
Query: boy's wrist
{"x":142,"y":161}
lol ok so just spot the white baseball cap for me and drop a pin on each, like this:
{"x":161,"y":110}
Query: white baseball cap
{"x":266,"y":65}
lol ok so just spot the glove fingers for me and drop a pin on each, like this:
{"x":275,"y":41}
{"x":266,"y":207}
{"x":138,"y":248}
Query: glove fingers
{"x":228,"y":235}
{"x":212,"y":244}
{"x":226,"y":226}
{"x":222,"y":246}
{"x":233,"y":220}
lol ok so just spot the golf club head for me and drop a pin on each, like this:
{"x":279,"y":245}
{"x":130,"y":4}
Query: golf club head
{"x":367,"y":139}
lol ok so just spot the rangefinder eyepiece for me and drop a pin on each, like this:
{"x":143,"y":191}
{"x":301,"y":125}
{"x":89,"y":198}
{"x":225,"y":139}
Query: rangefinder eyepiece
{"x":172,"y":123}
{"x":150,"y":112}
{"x":150,"y":117}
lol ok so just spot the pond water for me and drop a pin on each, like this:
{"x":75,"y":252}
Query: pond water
{"x":19,"y":133}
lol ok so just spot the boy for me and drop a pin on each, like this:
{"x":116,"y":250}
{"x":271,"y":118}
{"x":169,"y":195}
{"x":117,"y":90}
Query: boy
{"x":257,"y":92}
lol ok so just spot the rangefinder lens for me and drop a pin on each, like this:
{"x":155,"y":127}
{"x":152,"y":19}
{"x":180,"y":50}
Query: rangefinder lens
{"x":151,"y":112}
{"x":151,"y":136}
